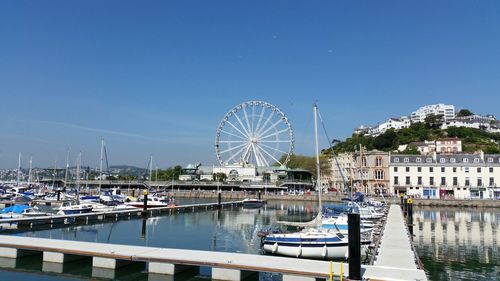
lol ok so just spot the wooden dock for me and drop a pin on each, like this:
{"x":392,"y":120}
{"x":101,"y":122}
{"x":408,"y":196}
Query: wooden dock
{"x":92,"y":216}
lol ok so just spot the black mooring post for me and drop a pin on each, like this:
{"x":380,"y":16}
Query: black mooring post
{"x":402,"y":198}
{"x":354,"y":237}
{"x":405,"y":206}
{"x":260,"y":195}
{"x":410,"y":216}
{"x":58,"y":195}
{"x":145,"y":207}
{"x":143,"y":230}
{"x":219,"y":199}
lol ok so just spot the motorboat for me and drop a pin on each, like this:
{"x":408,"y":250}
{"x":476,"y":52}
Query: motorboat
{"x":99,"y":208}
{"x":20,"y":211}
{"x":252,"y":203}
{"x":153,"y":202}
{"x":70,"y":208}
{"x":340,"y":224}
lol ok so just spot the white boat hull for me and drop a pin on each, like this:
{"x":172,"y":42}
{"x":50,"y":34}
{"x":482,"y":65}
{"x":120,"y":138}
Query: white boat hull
{"x":314,"y":252}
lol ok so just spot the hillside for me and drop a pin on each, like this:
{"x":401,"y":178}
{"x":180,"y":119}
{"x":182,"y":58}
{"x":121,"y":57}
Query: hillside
{"x":472,"y":139}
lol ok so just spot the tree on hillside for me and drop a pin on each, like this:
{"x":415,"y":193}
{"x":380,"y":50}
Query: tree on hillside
{"x":386,"y":141}
{"x":309,"y":163}
{"x":434,"y":121}
{"x":464,"y":112}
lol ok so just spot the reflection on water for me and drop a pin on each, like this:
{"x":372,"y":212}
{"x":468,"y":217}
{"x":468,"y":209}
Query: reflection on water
{"x":457,"y":243}
{"x":233,"y":229}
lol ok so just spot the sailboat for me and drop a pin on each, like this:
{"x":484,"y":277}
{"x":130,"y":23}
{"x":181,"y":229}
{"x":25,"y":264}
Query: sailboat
{"x":313,"y":241}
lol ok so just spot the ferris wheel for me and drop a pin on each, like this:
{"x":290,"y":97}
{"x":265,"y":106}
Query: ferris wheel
{"x":254,"y":132}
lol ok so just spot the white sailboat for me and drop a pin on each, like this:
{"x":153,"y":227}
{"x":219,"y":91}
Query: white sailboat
{"x":312,"y":242}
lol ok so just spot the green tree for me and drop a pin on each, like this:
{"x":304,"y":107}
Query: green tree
{"x":219,"y":177}
{"x":386,"y":141}
{"x":464,"y":112}
{"x":434,"y":121}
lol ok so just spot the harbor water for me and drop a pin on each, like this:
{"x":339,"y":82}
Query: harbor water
{"x":453,"y":244}
{"x":458,"y":243}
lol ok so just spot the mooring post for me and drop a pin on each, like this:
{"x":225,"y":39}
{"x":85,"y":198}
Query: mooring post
{"x":58,"y":195}
{"x":401,"y":196}
{"x":410,"y":216}
{"x":260,"y":195}
{"x":405,"y":206}
{"x":354,"y":236}
{"x":145,"y":206}
{"x":219,"y":199}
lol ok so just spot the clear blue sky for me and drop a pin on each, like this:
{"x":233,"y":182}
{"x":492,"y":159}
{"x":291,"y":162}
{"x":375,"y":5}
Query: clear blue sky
{"x":156,"y":77}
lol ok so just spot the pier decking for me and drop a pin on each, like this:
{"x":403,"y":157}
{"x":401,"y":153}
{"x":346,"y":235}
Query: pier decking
{"x":395,"y":246}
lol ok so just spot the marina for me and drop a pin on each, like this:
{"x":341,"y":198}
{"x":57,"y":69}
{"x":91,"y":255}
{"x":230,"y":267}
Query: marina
{"x":237,"y":264}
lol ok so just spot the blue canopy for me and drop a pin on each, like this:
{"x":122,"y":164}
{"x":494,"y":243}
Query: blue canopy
{"x":18,"y":209}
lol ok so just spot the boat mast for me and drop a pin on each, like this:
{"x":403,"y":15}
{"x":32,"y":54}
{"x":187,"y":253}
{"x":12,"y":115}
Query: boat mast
{"x":150,"y":169}
{"x":29,"y":173}
{"x":100,"y":166}
{"x":78,"y":177}
{"x":18,"y":169}
{"x":318,"y":180}
{"x":66,"y":171}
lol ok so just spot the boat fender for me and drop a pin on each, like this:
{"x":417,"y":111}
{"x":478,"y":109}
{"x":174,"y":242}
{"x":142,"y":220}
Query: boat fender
{"x":299,"y":251}
{"x":275,"y":247}
{"x":325,"y":251}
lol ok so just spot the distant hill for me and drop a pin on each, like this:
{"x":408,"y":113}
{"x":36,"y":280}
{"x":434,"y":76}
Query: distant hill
{"x":127,"y":170}
{"x":472,"y":139}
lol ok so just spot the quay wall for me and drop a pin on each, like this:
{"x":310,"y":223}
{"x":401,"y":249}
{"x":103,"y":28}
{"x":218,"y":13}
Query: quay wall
{"x":477,"y":203}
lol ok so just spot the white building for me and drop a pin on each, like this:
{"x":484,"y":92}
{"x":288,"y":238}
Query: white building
{"x":391,"y":123}
{"x":460,"y":176}
{"x":449,"y":145}
{"x":447,"y":110}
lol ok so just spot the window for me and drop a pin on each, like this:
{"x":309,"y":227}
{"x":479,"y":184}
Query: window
{"x":431,"y":180}
{"x":465,"y":160}
{"x":378,"y":161}
{"x":453,"y":160}
{"x":490,"y":160}
{"x":476,"y":160}
{"x":492,"y":181}
{"x":396,"y":180}
{"x":428,"y":160}
{"x":479,"y":181}
{"x":466,"y":169}
{"x":407,"y":169}
{"x":379,"y":175}
{"x":363,"y":161}
{"x":455,"y":181}
{"x":431,"y":169}
{"x":442,"y":160}
{"x":407,"y":180}
{"x":479,"y":170}
{"x":419,"y":169}
{"x":419,"y":180}
{"x":419,"y":160}
{"x":454,"y":169}
{"x":491,"y":169}
{"x":407,"y":159}
{"x":467,"y":181}
{"x":395,"y":169}
{"x":396,"y":159}
{"x":443,"y":181}
{"x":442,"y":169}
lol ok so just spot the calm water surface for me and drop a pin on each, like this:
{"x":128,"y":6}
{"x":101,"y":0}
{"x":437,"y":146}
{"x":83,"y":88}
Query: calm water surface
{"x":458,"y":243}
{"x":453,"y":244}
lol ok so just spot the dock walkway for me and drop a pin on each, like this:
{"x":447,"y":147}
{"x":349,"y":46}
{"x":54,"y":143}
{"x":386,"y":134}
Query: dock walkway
{"x":395,"y":246}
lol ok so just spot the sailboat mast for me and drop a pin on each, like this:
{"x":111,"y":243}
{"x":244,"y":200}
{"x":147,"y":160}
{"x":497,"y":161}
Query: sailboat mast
{"x":318,"y":180}
{"x":67,"y":167}
{"x":19,"y":169}
{"x":150,"y":169}
{"x":100,"y":166}
{"x":29,"y":172}
{"x":78,"y":163}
